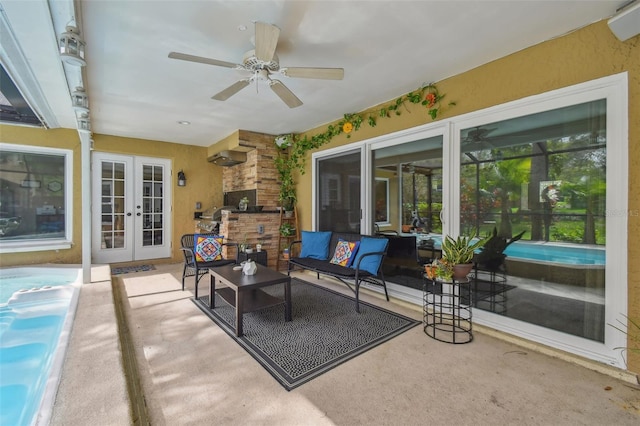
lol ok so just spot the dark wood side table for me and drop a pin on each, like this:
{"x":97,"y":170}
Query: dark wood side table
{"x":243,"y":291}
{"x":259,"y":257}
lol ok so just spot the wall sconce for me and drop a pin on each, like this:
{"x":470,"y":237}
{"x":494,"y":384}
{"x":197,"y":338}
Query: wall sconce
{"x":72,"y":47}
{"x":80,"y":100}
{"x":182,"y":181}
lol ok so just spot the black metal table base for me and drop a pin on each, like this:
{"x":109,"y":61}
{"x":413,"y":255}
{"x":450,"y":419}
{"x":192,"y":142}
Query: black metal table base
{"x":447,"y":311}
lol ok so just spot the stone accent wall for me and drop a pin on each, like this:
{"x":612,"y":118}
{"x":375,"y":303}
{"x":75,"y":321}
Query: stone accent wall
{"x":258,"y":172}
{"x":239,"y":227}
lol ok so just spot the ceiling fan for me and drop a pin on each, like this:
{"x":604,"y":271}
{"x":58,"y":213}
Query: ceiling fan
{"x":262,"y":63}
{"x":477,"y":135}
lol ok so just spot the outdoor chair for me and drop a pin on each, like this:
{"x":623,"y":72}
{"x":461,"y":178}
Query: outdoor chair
{"x":215,"y":257}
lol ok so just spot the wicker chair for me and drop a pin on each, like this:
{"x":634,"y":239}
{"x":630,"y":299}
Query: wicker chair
{"x":198,"y":269}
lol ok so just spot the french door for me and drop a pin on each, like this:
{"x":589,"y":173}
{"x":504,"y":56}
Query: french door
{"x":131,"y":199}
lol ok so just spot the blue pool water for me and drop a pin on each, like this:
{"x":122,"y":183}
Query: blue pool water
{"x":36,"y":307}
{"x":568,"y":255}
{"x":549,"y":252}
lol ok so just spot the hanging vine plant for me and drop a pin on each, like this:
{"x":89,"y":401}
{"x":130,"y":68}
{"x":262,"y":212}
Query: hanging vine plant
{"x":293,"y":149}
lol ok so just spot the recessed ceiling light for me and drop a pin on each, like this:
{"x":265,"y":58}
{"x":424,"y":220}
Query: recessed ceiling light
{"x":184,"y":122}
{"x":242,"y":28}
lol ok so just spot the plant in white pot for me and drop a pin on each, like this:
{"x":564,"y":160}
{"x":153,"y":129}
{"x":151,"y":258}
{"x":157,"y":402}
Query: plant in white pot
{"x":459,"y":252}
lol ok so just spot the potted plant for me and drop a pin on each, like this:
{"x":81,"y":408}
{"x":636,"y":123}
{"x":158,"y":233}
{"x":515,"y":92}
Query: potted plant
{"x":459,"y":253}
{"x":287,"y":229}
{"x":286,"y":163}
{"x":491,"y":256}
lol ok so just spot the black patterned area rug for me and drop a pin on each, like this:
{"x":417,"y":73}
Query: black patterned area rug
{"x":130,"y":269}
{"x":325,"y":331}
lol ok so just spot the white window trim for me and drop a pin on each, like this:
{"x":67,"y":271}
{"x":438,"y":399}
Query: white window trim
{"x":386,"y":181}
{"x":31,"y":245}
{"x":614,"y":89}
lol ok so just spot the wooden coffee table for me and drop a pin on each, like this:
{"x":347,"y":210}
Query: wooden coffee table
{"x":243,"y":291}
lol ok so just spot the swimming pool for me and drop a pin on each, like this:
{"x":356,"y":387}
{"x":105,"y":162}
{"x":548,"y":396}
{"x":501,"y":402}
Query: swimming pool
{"x":37,"y":306}
{"x":557,"y":253}
{"x":566,"y":254}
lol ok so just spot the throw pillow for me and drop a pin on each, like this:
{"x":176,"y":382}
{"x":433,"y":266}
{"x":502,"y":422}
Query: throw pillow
{"x":208,"y":248}
{"x":345,"y":252}
{"x":370,"y":245}
{"x":315,"y":244}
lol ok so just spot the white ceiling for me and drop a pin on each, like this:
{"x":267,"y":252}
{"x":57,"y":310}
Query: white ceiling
{"x":387,"y":48}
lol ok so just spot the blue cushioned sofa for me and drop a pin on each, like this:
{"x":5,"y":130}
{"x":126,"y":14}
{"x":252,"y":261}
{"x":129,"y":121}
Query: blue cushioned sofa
{"x":316,"y":249}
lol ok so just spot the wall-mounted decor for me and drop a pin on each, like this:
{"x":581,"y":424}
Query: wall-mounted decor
{"x":30,"y":184}
{"x":54,"y":186}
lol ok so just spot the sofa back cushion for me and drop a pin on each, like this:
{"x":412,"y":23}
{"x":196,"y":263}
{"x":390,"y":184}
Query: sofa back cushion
{"x":316,"y":244}
{"x":345,"y":252}
{"x":370,"y":264}
{"x":207,"y":248}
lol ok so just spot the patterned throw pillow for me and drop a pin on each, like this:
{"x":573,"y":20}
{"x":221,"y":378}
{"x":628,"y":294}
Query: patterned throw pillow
{"x":208,"y":248}
{"x":345,"y":252}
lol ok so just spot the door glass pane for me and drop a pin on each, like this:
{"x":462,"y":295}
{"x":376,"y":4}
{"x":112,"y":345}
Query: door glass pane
{"x":339,"y":193}
{"x":414,"y":172}
{"x":152,"y":189}
{"x":113,"y":197}
{"x":540,"y":178}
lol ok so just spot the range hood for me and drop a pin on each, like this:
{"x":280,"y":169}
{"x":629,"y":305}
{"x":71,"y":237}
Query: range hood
{"x":228,"y":158}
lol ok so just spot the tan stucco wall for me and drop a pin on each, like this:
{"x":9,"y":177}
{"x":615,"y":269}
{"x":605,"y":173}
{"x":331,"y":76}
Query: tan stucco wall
{"x":204,"y":183}
{"x":586,"y":54}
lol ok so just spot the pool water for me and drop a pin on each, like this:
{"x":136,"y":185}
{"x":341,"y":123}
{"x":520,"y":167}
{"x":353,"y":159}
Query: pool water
{"x":36,"y":306}
{"x":568,"y":255}
{"x":547,"y":252}
{"x":11,"y":282}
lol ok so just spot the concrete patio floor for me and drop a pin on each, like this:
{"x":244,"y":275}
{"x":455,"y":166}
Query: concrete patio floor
{"x":192,"y":373}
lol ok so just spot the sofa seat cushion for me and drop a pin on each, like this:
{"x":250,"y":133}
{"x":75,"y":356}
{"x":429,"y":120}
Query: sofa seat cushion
{"x":326,"y":267}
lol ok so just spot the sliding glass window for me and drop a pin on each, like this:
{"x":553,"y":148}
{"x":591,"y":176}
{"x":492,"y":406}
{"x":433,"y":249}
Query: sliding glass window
{"x":338,"y":192}
{"x":540,"y":179}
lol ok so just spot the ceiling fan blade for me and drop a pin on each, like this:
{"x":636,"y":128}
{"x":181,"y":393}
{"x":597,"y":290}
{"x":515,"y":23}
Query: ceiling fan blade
{"x":285,"y":94}
{"x":321,"y":73}
{"x":231,"y":90}
{"x":266,"y":41}
{"x":200,"y":59}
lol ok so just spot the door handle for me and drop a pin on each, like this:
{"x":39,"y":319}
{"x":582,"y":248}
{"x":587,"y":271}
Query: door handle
{"x":129,"y":214}
{"x":442,"y":216}
{"x":138,"y":214}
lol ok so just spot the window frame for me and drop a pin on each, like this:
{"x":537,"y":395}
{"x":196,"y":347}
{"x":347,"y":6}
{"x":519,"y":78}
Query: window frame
{"x":45,"y":244}
{"x":613,"y":88}
{"x":385,"y":181}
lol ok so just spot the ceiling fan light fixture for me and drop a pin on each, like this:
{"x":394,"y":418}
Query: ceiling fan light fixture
{"x":262,"y":62}
{"x":72,"y":47}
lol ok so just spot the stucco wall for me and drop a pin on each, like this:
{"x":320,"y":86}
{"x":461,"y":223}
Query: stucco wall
{"x":586,"y":54}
